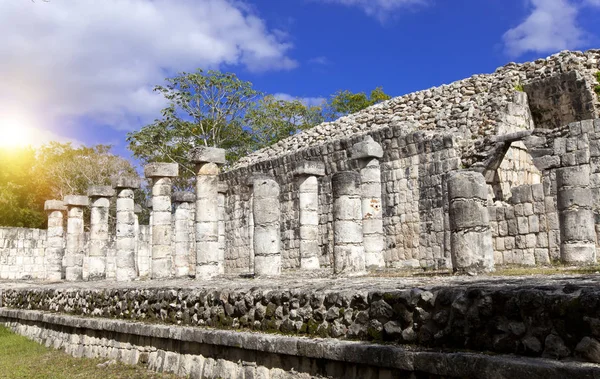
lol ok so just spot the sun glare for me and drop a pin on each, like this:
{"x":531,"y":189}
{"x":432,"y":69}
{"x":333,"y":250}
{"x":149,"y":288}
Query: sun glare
{"x":14,"y":132}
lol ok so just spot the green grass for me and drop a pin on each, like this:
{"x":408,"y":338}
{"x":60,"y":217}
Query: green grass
{"x":22,"y":358}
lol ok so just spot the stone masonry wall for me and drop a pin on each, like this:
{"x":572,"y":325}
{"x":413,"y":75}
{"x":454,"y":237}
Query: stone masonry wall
{"x":22,"y":253}
{"x":215,"y":354}
{"x":538,"y":317}
{"x":413,"y":167}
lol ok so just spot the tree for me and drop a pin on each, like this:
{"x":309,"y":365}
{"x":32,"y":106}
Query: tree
{"x":205,"y":108}
{"x":23,"y":189}
{"x":272,"y":120}
{"x":346,"y":102}
{"x":72,"y":170}
{"x":29,"y":177}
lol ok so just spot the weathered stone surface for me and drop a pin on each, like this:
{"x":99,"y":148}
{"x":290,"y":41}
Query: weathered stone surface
{"x":76,"y":201}
{"x":309,"y":168}
{"x":101,"y":191}
{"x":205,"y":154}
{"x":54,"y":205}
{"x":184,"y":197}
{"x":126,"y":182}
{"x":161,"y":170}
{"x":366,"y":149}
{"x":267,"y":238}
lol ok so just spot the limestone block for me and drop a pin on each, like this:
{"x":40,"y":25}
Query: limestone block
{"x":366,"y":149}
{"x":472,"y":251}
{"x":161,"y":170}
{"x":76,"y":201}
{"x":309,"y":168}
{"x":206,"y":154}
{"x":574,"y":197}
{"x":54,"y":205}
{"x":183,"y":197}
{"x":578,"y":176}
{"x":346,"y":183}
{"x":100,"y":191}
{"x":222,"y":187}
{"x":126,"y":182}
{"x":577,"y":225}
{"x":349,"y":259}
{"x":468,"y":214}
{"x":466,"y":185}
{"x":578,"y":253}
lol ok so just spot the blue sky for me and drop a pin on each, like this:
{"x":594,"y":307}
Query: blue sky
{"x":83,"y":71}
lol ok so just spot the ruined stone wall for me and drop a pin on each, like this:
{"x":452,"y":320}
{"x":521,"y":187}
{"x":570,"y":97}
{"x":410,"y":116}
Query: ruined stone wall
{"x":22,"y":253}
{"x":472,"y":108}
{"x":412,"y":171}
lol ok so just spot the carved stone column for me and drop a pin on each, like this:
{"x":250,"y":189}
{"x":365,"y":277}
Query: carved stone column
{"x":55,"y":243}
{"x":209,"y":263}
{"x":126,"y":243}
{"x":184,"y":202}
{"x":267,"y":235}
{"x":307,"y":173}
{"x":74,"y":252}
{"x":368,"y":154}
{"x":162,"y":235}
{"x":100,"y":204}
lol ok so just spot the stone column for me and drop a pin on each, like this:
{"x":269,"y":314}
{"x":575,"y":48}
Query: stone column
{"x":576,"y":217}
{"x":208,"y":261}
{"x":137,"y":210}
{"x":307,"y":173}
{"x":184,"y":201}
{"x":348,"y":249}
{"x":222,"y":240}
{"x":100,"y":203}
{"x":125,"y":269}
{"x":368,"y":154}
{"x":55,"y":244}
{"x":73,"y":259}
{"x":470,"y":234}
{"x":162,"y":234}
{"x":267,"y":235}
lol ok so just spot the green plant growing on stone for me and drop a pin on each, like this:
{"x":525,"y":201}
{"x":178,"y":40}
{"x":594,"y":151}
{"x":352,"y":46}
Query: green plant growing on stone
{"x":519,"y":87}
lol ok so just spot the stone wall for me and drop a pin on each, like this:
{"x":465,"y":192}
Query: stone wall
{"x":209,"y":354}
{"x":538,"y":317}
{"x":412,"y":171}
{"x":22,"y":253}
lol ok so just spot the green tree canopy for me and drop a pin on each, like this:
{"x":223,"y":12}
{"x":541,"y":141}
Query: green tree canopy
{"x":346,"y":102}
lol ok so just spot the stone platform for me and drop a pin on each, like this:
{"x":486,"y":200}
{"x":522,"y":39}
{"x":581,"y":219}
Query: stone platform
{"x":555,"y":317}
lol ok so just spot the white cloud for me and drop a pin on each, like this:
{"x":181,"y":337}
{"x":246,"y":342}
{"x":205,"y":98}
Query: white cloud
{"x":321,"y":60}
{"x":68,"y":60}
{"x":380,"y":9}
{"x":308,"y":101}
{"x":551,"y":26}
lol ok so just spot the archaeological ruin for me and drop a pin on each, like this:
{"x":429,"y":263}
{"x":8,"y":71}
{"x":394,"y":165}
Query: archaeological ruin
{"x":310,"y":237}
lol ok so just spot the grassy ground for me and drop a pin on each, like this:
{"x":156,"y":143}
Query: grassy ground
{"x":22,"y":358}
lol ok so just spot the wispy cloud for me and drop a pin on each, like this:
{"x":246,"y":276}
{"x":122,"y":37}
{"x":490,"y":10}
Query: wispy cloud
{"x":382,"y":10}
{"x":323,"y":61}
{"x":308,"y":101}
{"x":551,"y":26}
{"x":99,"y":60}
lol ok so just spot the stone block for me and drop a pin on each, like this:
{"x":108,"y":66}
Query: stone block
{"x":578,"y":253}
{"x":101,"y":191}
{"x":161,"y":170}
{"x":574,"y":197}
{"x":346,"y":183}
{"x":183,"y":197}
{"x":206,"y":154}
{"x":577,"y":225}
{"x":366,"y":149}
{"x":578,"y":176}
{"x":309,"y":168}
{"x":54,"y":205}
{"x":468,"y":214}
{"x":121,"y":182}
{"x":76,"y":201}
{"x":222,"y":187}
{"x":466,"y":185}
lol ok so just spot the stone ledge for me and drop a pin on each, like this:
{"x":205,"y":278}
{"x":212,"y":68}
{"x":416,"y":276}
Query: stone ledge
{"x":76,"y":201}
{"x":442,"y":363}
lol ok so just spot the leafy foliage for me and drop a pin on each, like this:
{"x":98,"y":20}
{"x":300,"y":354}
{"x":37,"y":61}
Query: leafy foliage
{"x":29,"y":177}
{"x":346,"y":102}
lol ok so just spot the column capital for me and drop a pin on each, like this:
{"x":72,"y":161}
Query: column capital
{"x":222,"y":187}
{"x":309,"y":168}
{"x":368,"y":148}
{"x":126,"y":182}
{"x":183,"y":197}
{"x":161,"y":170}
{"x":54,"y":205}
{"x":100,"y":191}
{"x":254,"y":176}
{"x":76,"y":201}
{"x":206,"y":154}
